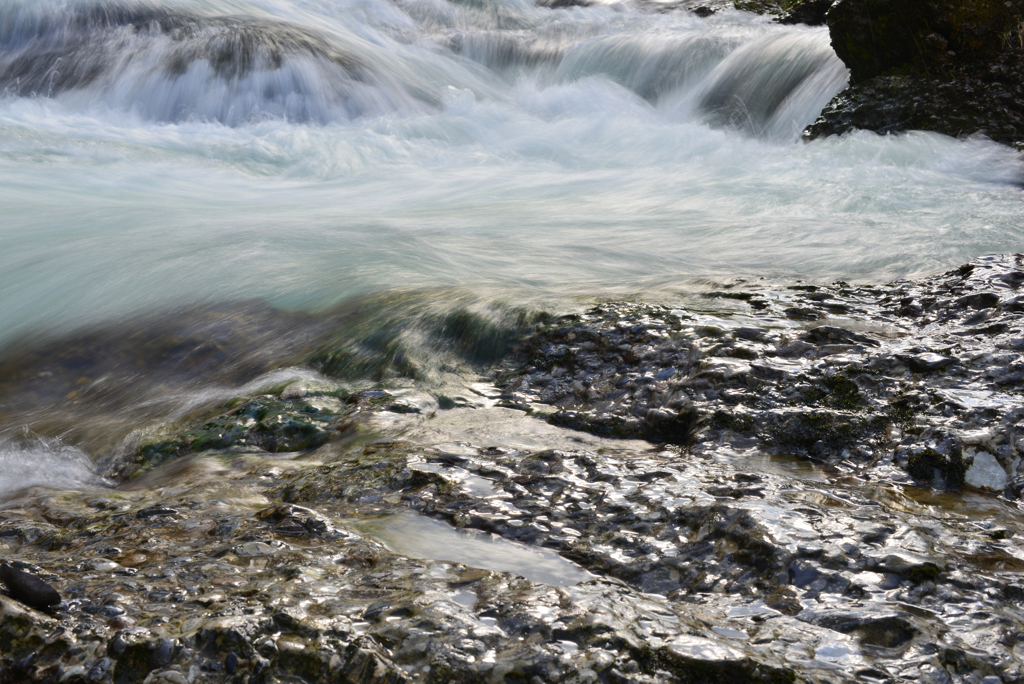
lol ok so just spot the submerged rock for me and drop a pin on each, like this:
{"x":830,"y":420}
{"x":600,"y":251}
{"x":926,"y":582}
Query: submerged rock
{"x":293,"y":422}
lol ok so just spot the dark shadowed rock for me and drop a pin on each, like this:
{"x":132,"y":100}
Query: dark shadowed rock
{"x":876,"y":626}
{"x":949,"y":67}
{"x":874,"y":37}
{"x":28,"y":588}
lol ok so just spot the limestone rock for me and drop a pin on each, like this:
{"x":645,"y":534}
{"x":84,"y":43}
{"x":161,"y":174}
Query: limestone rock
{"x":986,"y":473}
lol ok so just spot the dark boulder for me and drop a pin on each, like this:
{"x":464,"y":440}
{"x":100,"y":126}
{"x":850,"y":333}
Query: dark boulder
{"x":27,"y":588}
{"x":874,"y":37}
{"x":952,"y":67}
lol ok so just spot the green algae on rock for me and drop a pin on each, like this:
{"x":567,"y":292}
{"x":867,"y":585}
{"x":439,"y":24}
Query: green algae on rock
{"x":273,"y":424}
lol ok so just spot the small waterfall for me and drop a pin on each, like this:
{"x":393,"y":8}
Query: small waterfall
{"x":764,"y":80}
{"x":508,"y":49}
{"x":223,"y":188}
{"x":177,"y":62}
{"x":773,"y":86}
{"x":767,"y":85}
{"x":170,"y":65}
{"x":651,"y":66}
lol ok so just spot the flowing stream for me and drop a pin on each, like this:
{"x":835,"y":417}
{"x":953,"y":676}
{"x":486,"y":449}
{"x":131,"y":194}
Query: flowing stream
{"x":206,"y":200}
{"x":156,"y":158}
{"x":160,"y":158}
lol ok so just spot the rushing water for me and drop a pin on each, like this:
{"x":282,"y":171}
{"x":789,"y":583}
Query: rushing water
{"x":305,"y":152}
{"x":165,"y":156}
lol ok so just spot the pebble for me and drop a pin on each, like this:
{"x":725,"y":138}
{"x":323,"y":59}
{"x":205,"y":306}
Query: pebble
{"x":154,"y":513}
{"x":27,"y":588}
{"x":103,"y":611}
{"x":102,"y":565}
{"x":99,"y":670}
{"x":254,"y":548}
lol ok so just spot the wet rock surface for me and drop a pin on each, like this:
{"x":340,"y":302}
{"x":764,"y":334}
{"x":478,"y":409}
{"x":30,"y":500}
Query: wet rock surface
{"x":208,"y":592}
{"x":985,"y":101}
{"x":812,"y":483}
{"x":911,"y":379}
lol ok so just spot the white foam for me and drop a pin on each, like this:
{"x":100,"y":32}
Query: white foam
{"x":45,"y":463}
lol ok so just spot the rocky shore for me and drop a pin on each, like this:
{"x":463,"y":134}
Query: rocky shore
{"x":774,"y":484}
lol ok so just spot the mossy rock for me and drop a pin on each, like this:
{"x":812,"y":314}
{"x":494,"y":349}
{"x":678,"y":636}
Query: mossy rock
{"x":842,"y":392}
{"x":929,"y":466}
{"x":734,"y":421}
{"x":901,"y":411}
{"x":809,"y":12}
{"x":759,"y":6}
{"x":264,"y":423}
{"x":820,"y":434}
